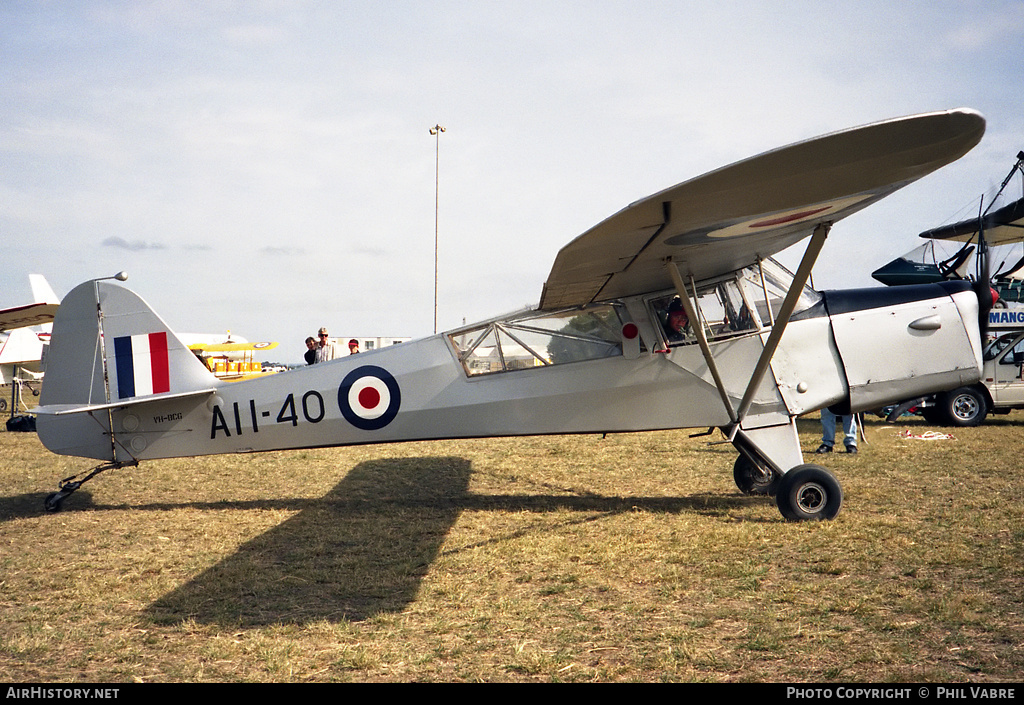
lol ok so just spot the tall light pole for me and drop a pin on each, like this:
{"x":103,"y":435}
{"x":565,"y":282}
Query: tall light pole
{"x":436,"y":131}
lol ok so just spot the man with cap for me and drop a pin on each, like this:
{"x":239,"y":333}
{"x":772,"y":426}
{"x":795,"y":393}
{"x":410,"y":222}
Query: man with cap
{"x":324,"y":349}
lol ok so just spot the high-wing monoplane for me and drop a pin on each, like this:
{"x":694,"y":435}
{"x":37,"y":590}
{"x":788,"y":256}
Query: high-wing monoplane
{"x":669,"y":314}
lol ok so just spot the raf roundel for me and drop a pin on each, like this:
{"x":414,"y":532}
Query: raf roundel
{"x":369,"y":397}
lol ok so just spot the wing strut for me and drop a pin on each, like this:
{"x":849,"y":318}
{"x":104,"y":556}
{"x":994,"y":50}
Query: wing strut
{"x":803,"y":273}
{"x":698,"y":328}
{"x":800,"y":279}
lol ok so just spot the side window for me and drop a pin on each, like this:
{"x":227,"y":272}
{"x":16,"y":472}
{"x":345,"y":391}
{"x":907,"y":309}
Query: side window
{"x":675,"y":324}
{"x":1015,"y":356}
{"x":735,"y":312}
{"x":998,"y":345}
{"x":765,"y":286}
{"x":723,"y":310}
{"x":533,"y":339}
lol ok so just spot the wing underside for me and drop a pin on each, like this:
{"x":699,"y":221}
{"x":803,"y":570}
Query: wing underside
{"x":28,"y":315}
{"x":731,"y":217}
{"x":1003,"y":226}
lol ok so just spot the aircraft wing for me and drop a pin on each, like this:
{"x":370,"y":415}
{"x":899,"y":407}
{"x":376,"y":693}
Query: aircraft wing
{"x":729,"y":218}
{"x":1004,"y":226}
{"x":231,"y":347}
{"x":28,"y":315}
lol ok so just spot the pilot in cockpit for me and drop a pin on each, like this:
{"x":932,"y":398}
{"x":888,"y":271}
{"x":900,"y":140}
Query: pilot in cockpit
{"x":676,"y":322}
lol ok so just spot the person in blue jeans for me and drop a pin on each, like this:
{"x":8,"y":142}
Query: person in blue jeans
{"x":828,"y":432}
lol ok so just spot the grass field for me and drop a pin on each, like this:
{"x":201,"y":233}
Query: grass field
{"x":626,"y":558}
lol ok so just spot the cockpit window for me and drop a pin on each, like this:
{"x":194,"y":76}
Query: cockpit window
{"x":722,"y":310}
{"x":538,"y":339}
{"x":746,"y":302}
{"x":769,"y":282}
{"x":722,"y":307}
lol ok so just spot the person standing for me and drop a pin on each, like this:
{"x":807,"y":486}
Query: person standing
{"x":324,"y":349}
{"x":310,"y":355}
{"x":828,"y":432}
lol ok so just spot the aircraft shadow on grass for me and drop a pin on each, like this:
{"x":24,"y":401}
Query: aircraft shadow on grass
{"x":364,"y":548}
{"x":360,"y":550}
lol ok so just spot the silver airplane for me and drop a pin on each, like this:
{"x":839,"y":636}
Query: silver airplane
{"x":668,"y":314}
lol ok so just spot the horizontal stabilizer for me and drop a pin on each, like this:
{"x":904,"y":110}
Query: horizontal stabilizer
{"x":64,"y":409}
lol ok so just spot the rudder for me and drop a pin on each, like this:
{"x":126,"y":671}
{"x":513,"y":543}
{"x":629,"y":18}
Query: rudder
{"x":108,"y":348}
{"x":109,"y":345}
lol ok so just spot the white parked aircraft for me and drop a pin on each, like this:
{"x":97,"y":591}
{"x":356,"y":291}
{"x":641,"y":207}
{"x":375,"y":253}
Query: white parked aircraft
{"x":22,"y":350}
{"x":669,"y":314}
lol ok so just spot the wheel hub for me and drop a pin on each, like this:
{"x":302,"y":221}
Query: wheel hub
{"x":965,"y":407}
{"x":812,"y":498}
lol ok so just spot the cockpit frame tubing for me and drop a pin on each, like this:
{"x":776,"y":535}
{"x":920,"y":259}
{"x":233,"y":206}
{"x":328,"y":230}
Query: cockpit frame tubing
{"x":803,"y":274}
{"x":698,"y":328}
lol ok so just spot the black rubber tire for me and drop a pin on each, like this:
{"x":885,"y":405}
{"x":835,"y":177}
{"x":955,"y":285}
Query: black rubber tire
{"x":964,"y":407}
{"x":750,"y":480}
{"x":809,"y":493}
{"x":53,"y":501}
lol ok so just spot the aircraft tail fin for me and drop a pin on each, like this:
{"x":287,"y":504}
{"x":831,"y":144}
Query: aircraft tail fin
{"x":108,"y":346}
{"x":42,"y":292}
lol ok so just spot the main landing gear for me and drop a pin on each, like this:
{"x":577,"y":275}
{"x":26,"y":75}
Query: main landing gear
{"x":809,"y":492}
{"x":804,"y":493}
{"x":68,"y":485}
{"x":754,"y":477}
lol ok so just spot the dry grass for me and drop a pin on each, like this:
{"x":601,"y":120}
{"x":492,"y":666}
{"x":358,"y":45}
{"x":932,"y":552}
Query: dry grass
{"x":580,"y":558}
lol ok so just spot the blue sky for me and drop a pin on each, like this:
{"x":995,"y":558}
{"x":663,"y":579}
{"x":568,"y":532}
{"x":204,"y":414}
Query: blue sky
{"x":266,"y":167}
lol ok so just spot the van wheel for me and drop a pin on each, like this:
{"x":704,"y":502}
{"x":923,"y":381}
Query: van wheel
{"x":965,"y":406}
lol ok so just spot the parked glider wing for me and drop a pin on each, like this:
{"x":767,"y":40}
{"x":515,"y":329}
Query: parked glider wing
{"x":731,"y":217}
{"x":1003,"y":226}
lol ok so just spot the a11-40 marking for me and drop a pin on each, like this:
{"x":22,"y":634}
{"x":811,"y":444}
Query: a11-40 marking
{"x":311,"y":406}
{"x":369,"y":398}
